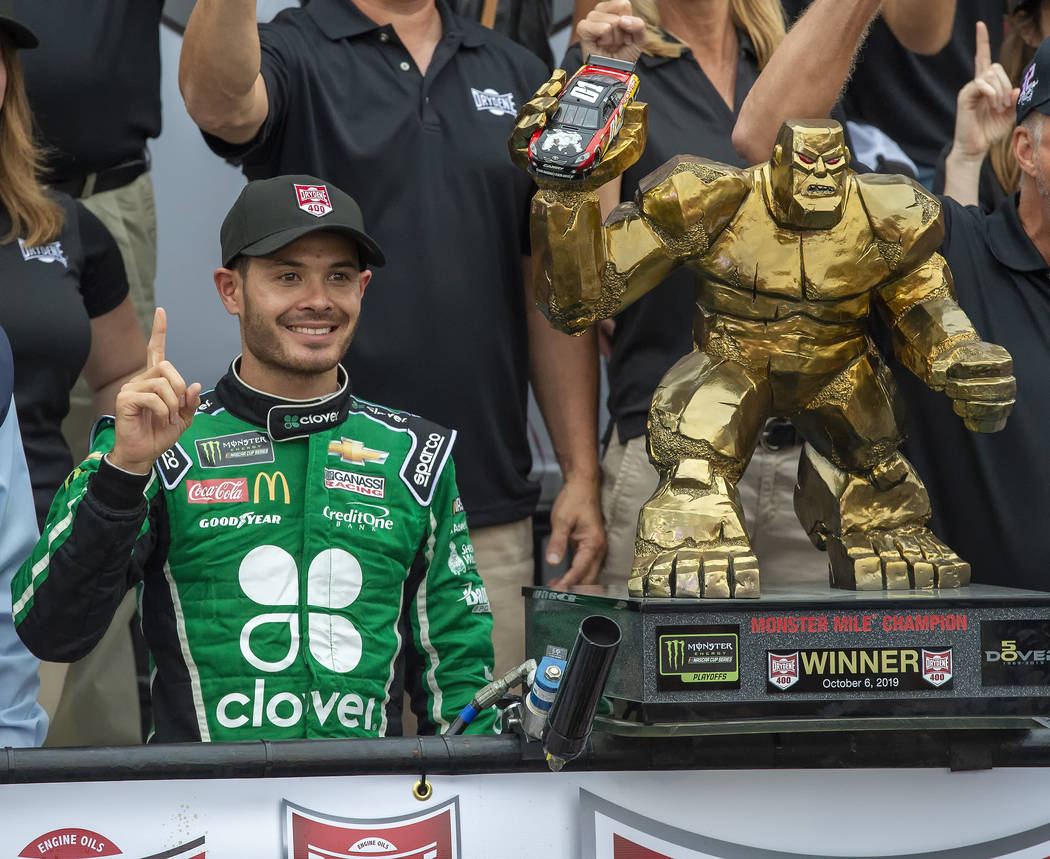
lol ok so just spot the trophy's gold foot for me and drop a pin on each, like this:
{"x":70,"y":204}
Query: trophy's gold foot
{"x":894,"y":560}
{"x":715,"y":573}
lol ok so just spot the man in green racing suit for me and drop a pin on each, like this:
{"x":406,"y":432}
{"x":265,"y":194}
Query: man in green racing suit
{"x":291,"y":543}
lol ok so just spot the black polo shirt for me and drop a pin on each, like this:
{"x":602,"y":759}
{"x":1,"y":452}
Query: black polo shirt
{"x":443,"y":327}
{"x":94,"y":82}
{"x":909,"y":96}
{"x":51,"y":294}
{"x":991,"y":492}
{"x":686,"y":115}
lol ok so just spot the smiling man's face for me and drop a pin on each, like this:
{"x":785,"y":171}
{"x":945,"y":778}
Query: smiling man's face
{"x":298,"y":310}
{"x":808,"y":174}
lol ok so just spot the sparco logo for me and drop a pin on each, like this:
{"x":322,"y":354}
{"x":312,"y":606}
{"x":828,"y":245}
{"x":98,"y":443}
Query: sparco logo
{"x":217,"y":491}
{"x":425,"y":466}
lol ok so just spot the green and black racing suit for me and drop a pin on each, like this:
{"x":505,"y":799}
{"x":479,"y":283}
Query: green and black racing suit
{"x":284,"y":551}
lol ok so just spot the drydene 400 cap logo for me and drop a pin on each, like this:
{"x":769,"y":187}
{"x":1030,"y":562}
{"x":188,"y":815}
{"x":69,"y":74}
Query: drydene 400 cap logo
{"x":313,"y":199}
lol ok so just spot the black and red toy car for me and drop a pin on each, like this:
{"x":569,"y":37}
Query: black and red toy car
{"x":590,"y":113}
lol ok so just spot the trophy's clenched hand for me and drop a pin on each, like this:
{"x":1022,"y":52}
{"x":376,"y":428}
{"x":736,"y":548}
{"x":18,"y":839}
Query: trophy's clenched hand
{"x":153,"y":409}
{"x":979,"y":379}
{"x":533,"y":117}
{"x":624,"y":151}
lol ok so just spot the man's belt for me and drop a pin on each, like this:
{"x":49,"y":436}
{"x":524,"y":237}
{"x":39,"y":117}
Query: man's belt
{"x":109,"y":179}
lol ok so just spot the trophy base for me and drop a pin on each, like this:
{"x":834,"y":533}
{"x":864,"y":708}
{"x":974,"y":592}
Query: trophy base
{"x":814,"y":659}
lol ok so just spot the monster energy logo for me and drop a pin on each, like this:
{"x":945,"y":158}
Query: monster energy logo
{"x":243,"y":448}
{"x":674,"y":649}
{"x":210,"y":451}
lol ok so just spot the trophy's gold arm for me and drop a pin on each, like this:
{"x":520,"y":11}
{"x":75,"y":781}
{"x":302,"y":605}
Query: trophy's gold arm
{"x":934,"y":338}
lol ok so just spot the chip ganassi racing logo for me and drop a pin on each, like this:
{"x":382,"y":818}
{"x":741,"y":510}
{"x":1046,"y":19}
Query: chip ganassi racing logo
{"x":313,"y":199}
{"x":430,"y":833}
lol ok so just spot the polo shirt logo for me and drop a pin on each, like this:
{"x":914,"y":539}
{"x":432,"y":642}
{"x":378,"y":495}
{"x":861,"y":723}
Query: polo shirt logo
{"x":498,"y":104}
{"x":44,"y":253}
{"x":313,"y":199}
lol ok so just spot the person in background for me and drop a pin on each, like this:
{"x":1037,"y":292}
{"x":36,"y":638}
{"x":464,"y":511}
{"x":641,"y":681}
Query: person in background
{"x":420,"y":140}
{"x":916,"y":56}
{"x":23,"y":721}
{"x":979,"y":168}
{"x":527,"y":22}
{"x":989,"y":493}
{"x":61,"y":265}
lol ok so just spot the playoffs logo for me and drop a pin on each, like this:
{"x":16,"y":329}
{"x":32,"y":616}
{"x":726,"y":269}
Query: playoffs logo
{"x":430,"y":834}
{"x":313,"y":199}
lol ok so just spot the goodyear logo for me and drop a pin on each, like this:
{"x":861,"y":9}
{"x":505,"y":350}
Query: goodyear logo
{"x":270,"y":481}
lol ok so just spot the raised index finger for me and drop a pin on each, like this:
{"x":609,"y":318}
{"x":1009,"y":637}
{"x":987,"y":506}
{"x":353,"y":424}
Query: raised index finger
{"x":982,"y":58}
{"x":155,"y":347}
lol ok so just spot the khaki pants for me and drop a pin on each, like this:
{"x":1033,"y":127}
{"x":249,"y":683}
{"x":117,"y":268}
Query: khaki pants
{"x":785,"y":554}
{"x":504,"y":558}
{"x":95,"y":701}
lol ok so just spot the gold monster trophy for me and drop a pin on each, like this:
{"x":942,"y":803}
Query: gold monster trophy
{"x":790,"y":256}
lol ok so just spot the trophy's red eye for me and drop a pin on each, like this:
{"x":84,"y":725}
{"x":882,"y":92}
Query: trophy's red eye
{"x":804,"y":159}
{"x":831,"y":162}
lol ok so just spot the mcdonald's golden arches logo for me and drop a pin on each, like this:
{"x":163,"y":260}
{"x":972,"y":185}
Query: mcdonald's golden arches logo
{"x":271,"y":486}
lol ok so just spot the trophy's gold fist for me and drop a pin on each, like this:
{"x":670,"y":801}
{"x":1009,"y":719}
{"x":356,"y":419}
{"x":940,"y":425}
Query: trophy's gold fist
{"x":980,"y":382}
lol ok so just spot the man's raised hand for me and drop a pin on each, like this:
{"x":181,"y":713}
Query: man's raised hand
{"x":154,"y":408}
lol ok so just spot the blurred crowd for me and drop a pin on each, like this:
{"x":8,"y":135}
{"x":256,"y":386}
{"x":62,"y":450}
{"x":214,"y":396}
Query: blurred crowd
{"x":407,"y":106}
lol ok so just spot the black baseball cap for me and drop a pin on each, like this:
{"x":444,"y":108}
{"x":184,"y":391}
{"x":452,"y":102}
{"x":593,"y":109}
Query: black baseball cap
{"x":271,"y":213}
{"x":1035,"y":84}
{"x":20,"y":35}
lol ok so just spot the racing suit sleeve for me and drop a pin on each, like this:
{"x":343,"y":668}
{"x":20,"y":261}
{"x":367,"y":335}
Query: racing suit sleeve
{"x":23,"y":721}
{"x":99,"y":533}
{"x":450,"y":619}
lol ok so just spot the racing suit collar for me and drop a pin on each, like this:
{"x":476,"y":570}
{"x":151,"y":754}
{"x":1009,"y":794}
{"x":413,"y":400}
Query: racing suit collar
{"x":283,"y":419}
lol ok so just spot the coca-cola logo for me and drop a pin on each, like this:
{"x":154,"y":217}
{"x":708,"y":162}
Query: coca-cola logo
{"x":233,"y":489}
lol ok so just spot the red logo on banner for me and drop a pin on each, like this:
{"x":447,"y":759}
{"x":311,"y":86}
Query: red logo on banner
{"x":313,"y":199}
{"x":70,"y":844}
{"x":430,"y":834}
{"x":215,"y":491}
{"x":783,"y":669}
{"x":624,"y":849}
{"x":937,"y":666}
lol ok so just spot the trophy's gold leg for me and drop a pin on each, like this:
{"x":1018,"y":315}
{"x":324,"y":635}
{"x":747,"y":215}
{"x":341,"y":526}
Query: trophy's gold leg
{"x":692,"y":541}
{"x":868,"y":507}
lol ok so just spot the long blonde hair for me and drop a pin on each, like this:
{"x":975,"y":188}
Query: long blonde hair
{"x":762,"y":20}
{"x":1014,"y":55}
{"x":35,"y":216}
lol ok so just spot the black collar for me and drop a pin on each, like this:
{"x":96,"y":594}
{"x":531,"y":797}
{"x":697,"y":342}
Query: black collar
{"x":283,"y":419}
{"x":341,"y":19}
{"x":1008,"y":241}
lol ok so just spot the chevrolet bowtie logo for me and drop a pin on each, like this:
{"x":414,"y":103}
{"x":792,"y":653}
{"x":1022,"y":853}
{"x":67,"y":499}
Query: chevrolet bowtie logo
{"x":353,"y":451}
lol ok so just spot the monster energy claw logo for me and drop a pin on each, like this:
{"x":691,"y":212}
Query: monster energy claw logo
{"x":674,"y":650}
{"x":210,"y":451}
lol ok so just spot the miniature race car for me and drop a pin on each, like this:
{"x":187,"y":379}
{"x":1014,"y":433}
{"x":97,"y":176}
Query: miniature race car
{"x":590,"y":113}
